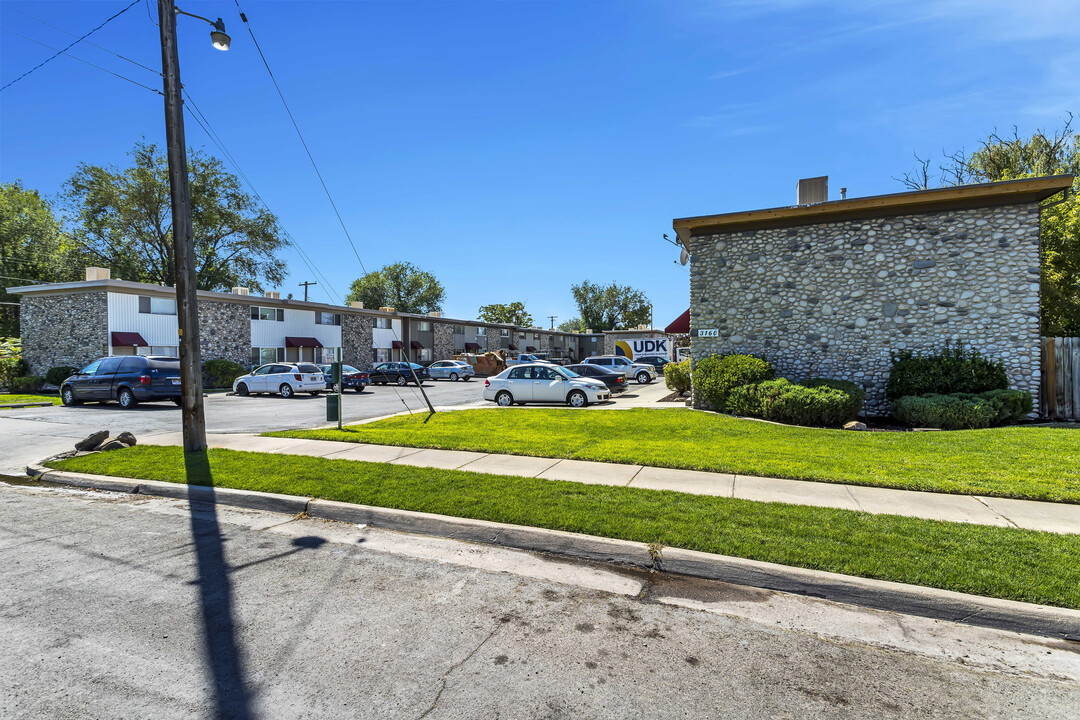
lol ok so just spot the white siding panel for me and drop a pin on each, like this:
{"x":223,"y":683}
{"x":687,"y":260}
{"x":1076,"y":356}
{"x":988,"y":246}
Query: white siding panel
{"x":383,"y":338}
{"x":297,"y":323}
{"x":124,"y":316}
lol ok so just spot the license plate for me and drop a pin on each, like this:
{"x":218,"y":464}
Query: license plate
{"x":174,"y":381}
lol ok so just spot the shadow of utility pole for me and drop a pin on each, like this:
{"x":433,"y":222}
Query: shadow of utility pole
{"x":231,"y":696}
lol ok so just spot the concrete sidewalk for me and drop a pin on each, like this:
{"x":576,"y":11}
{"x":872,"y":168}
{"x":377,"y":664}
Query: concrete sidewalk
{"x":1027,"y":514}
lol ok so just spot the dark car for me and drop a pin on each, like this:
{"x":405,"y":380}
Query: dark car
{"x":655,"y":361}
{"x":351,"y":378}
{"x":397,"y":373}
{"x":128,"y":379}
{"x":615,"y":381}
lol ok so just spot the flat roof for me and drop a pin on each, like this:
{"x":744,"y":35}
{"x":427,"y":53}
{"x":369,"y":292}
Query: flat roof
{"x":1007,"y":192}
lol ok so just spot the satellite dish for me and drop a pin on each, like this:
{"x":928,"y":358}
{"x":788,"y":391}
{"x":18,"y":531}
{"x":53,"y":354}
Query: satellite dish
{"x":684,"y":257}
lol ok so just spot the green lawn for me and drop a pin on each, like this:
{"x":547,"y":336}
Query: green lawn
{"x":1023,"y":462}
{"x":9,"y":399}
{"x":1000,"y":562}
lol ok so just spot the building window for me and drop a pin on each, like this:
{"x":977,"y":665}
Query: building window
{"x":267,"y":313}
{"x":160,"y":350}
{"x":381,"y":354}
{"x":459,"y":330}
{"x":425,"y":355}
{"x":325,"y":318}
{"x":262,"y":356}
{"x":424,"y":326}
{"x":382,"y":323}
{"x":157,"y":306}
{"x":504,"y":333}
{"x":327,"y":355}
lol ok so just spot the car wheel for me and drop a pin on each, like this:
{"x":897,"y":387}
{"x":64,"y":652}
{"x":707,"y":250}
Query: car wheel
{"x":643,"y":378}
{"x":401,"y":380}
{"x":577,"y":399}
{"x":178,"y":402}
{"x":504,"y":399}
{"x":286,"y":390}
{"x":359,"y":389}
{"x":453,"y":377}
{"x":242,"y":389}
{"x":314,"y":393}
{"x":67,"y":396}
{"x":127,"y":398}
{"x":465,"y":379}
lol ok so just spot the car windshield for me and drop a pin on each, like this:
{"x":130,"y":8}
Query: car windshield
{"x":568,"y":373}
{"x":308,"y":368}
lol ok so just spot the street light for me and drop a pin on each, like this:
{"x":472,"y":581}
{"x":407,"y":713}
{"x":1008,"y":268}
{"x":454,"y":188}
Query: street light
{"x":193,"y":419}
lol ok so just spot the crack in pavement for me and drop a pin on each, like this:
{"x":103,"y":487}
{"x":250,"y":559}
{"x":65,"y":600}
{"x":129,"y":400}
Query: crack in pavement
{"x":455,"y":666}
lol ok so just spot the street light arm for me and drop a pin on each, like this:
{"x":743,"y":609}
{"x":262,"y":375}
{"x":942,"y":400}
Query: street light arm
{"x":219,"y":24}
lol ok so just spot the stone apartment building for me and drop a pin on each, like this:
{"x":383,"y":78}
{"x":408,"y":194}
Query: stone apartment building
{"x":833,"y":289}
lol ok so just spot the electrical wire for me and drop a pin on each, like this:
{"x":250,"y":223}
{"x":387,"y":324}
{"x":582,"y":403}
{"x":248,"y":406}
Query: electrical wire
{"x":77,"y":41}
{"x":76,"y":57}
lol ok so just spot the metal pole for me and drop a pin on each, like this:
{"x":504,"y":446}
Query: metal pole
{"x":187,"y":308}
{"x":340,"y":385}
{"x":417,"y":381}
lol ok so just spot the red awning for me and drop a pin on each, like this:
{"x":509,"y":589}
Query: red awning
{"x":681,"y":326}
{"x":513,"y":347}
{"x":125,"y":339}
{"x":302,"y":342}
{"x":397,"y":345}
{"x":416,"y":345}
{"x":472,"y":346}
{"x":530,"y":348}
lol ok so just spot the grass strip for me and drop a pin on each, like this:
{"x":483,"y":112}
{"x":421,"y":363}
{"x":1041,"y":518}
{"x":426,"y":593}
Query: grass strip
{"x":13,"y":399}
{"x":1036,"y":463}
{"x":1007,"y":563}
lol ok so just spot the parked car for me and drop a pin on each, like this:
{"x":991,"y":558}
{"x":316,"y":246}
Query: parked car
{"x":655,"y":361}
{"x":451,"y":370}
{"x":525,"y":358}
{"x":285,"y":379}
{"x":128,"y":379}
{"x":615,"y":381}
{"x":351,"y":378}
{"x":397,"y":373}
{"x":644,"y":374}
{"x":541,"y":382}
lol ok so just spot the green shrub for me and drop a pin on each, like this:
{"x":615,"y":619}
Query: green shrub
{"x":27,"y":384}
{"x":677,"y":376}
{"x":856,"y":395}
{"x":964,"y":411}
{"x":1013,"y":405}
{"x":953,"y":370}
{"x":814,"y":402}
{"x":59,"y":374}
{"x":220,"y":373}
{"x":752,"y":400}
{"x":717,"y":375}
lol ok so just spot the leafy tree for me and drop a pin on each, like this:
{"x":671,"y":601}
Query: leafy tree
{"x":611,"y":307}
{"x":1011,"y":157}
{"x":124,"y":220}
{"x":513,"y":313}
{"x":32,"y":248}
{"x":402,"y":286}
{"x":571,"y":325}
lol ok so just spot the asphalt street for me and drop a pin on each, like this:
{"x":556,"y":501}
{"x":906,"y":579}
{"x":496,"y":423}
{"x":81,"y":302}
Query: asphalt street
{"x":32,"y":434}
{"x":125,"y":606}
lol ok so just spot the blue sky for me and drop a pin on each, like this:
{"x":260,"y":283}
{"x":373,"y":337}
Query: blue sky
{"x":515,"y":148}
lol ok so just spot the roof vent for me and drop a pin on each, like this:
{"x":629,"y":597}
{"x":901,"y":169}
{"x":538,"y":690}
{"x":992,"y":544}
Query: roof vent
{"x":588,"y":331}
{"x":356,"y":304}
{"x":813,"y":190}
{"x":240,"y":291}
{"x":434,"y":314}
{"x":273,"y":295}
{"x":387,"y":308}
{"x":97,"y":273}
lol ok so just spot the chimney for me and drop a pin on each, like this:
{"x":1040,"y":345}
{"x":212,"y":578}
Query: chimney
{"x":588,"y":331}
{"x":273,"y":295}
{"x":386,"y":308}
{"x":240,"y":291}
{"x":97,"y":273}
{"x":810,"y":191}
{"x":434,"y":314}
{"x":843,"y":193}
{"x":356,"y":304}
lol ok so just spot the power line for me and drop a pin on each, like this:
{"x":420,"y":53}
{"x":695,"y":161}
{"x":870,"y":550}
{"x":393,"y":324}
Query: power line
{"x":60,"y":52}
{"x":299,"y":134}
{"x":76,"y":57}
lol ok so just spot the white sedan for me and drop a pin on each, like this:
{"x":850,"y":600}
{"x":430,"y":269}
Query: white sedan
{"x":541,"y":382}
{"x":284,"y":379}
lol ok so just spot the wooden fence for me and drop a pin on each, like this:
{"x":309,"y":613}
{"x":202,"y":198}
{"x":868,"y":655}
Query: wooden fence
{"x":1060,"y":396}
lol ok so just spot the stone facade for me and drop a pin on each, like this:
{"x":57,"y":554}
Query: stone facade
{"x":357,"y":339}
{"x":835,"y":299}
{"x":494,"y":335}
{"x":225,"y":332}
{"x":63,"y":330}
{"x":442,"y":341}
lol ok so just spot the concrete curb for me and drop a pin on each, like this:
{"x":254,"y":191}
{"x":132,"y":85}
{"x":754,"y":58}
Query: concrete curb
{"x":16,"y":406}
{"x":1061,"y":623}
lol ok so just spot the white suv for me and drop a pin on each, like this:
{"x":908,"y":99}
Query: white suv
{"x":644,"y":374}
{"x":541,"y":382}
{"x":284,"y":379}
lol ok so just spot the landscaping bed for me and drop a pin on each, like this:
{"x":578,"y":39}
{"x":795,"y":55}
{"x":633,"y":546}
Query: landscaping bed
{"x":1036,"y":463}
{"x":998,"y":562}
{"x":10,"y":399}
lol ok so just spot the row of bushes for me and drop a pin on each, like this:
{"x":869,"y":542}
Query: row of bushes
{"x":963,"y":411}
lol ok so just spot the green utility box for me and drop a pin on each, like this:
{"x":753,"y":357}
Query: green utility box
{"x":333,"y":407}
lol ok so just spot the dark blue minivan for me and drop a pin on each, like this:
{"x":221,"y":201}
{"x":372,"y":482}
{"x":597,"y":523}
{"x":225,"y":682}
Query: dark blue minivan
{"x":128,"y":379}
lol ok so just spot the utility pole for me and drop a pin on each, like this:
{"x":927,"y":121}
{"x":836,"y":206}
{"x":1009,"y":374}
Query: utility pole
{"x":305,"y":286}
{"x":187,"y":308}
{"x":553,"y":320}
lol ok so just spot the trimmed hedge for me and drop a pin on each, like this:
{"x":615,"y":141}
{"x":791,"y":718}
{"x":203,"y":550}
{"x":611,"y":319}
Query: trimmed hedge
{"x":717,"y":375}
{"x":27,"y":384}
{"x":963,"y":411}
{"x":60,"y":373}
{"x":815,"y":402}
{"x":220,"y":373}
{"x":953,"y":370}
{"x":677,"y":376}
